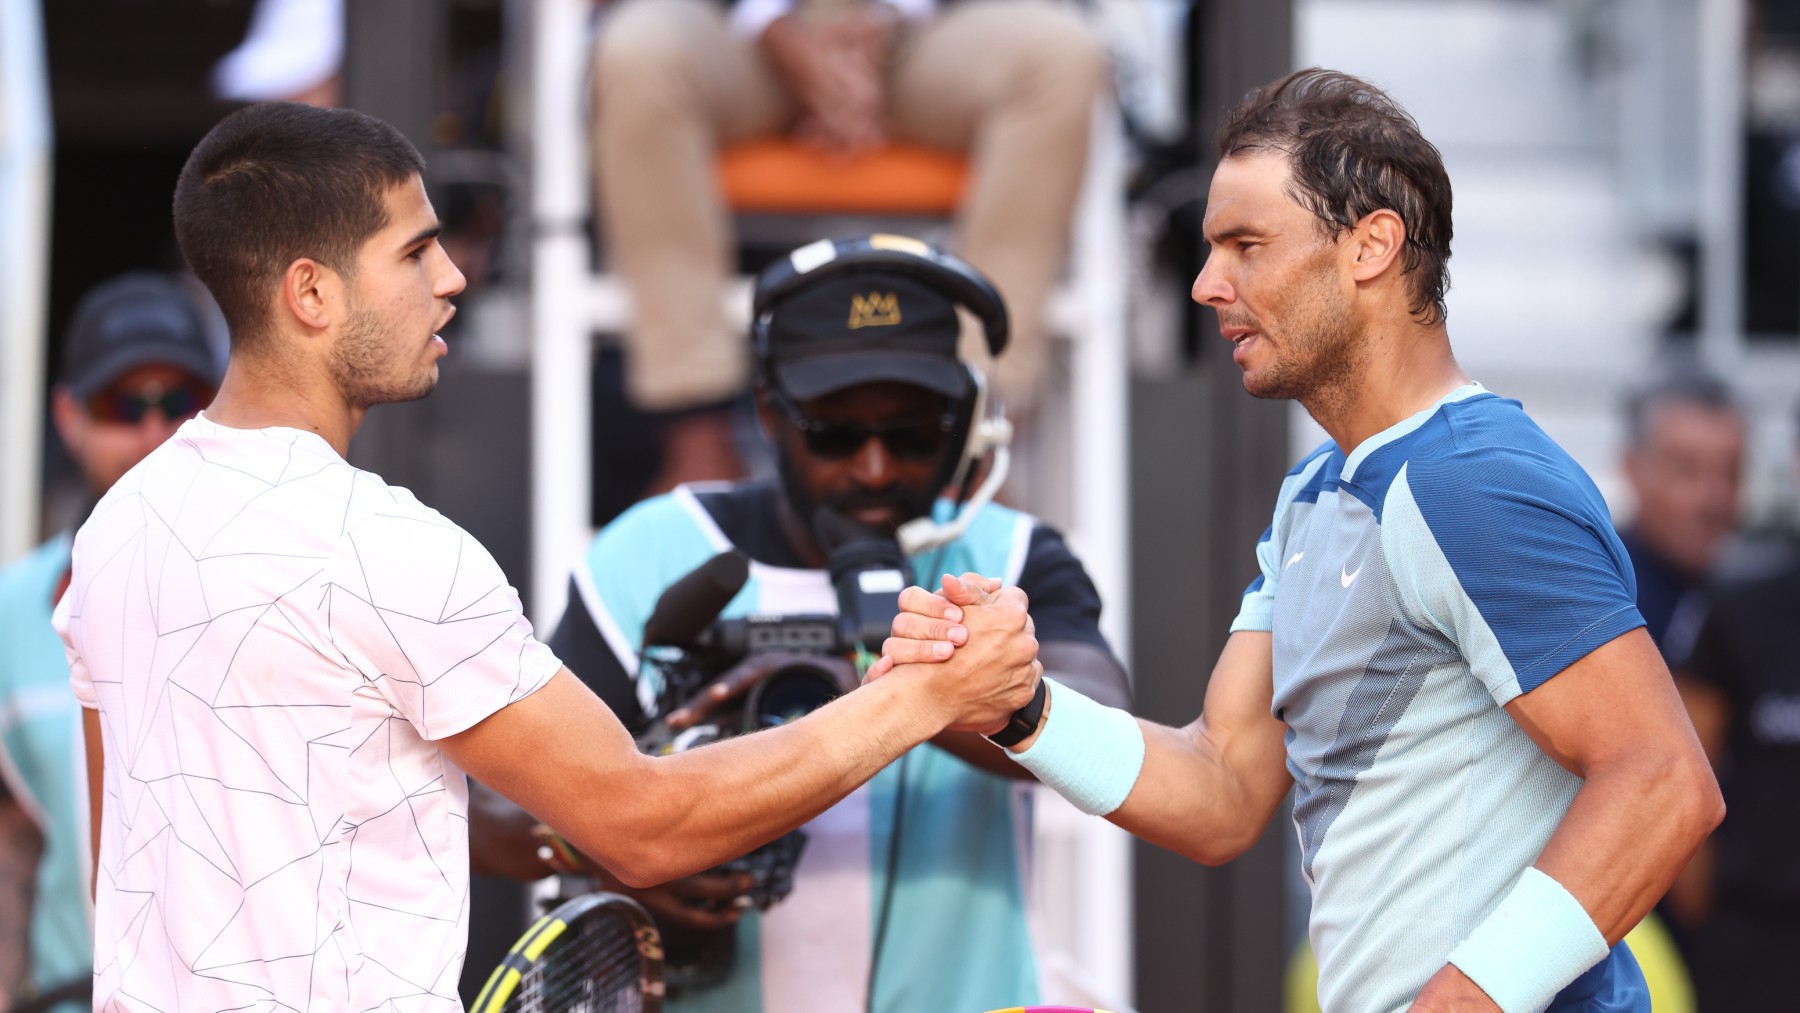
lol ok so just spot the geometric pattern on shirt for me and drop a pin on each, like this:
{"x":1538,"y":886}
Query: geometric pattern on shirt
{"x":273,"y":638}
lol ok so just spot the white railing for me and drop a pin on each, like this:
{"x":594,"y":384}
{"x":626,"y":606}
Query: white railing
{"x":25,"y":142}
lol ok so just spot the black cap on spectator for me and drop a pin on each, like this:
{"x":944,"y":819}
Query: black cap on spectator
{"x":134,"y":320}
{"x":864,"y":327}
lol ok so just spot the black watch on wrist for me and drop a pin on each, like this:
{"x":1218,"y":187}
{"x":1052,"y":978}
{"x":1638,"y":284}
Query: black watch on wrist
{"x":1024,"y":721}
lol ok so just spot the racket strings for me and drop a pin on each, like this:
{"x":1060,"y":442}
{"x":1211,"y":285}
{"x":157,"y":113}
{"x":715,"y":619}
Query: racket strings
{"x":595,"y":967}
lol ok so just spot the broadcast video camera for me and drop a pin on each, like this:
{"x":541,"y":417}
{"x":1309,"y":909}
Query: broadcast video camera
{"x":793,"y":664}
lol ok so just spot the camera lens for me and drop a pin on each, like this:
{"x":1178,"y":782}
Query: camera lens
{"x":788,"y":693}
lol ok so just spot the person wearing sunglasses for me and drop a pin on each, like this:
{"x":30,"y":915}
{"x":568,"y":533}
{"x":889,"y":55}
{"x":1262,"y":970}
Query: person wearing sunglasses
{"x":135,"y":364}
{"x":911,"y":893}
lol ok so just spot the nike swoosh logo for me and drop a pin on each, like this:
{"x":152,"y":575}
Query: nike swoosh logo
{"x":1295,"y":558}
{"x":1348,"y":577}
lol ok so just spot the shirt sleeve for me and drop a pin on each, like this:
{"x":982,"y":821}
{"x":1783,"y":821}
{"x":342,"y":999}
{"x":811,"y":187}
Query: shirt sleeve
{"x":1257,"y":612}
{"x":65,"y":622}
{"x":425,"y":614}
{"x":1513,"y":557}
{"x":1305,"y":479}
{"x":1064,"y":603}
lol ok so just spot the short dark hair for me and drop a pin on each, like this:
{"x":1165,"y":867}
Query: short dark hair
{"x":275,"y":182}
{"x":1352,"y":151}
{"x":1679,"y":381}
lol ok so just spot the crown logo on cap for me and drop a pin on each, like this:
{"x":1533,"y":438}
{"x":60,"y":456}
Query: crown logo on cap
{"x":874,"y":310}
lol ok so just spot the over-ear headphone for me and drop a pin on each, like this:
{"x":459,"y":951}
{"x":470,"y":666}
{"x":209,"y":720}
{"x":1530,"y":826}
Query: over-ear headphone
{"x":984,"y":431}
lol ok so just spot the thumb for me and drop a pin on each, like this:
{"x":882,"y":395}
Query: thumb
{"x":961,"y":592}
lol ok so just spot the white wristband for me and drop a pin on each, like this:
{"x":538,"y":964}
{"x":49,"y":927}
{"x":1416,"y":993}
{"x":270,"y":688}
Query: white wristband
{"x":1532,"y":946}
{"x":1089,"y":752}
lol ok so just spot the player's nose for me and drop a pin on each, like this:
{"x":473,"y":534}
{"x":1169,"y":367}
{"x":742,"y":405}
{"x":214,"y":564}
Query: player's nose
{"x":1211,"y":287}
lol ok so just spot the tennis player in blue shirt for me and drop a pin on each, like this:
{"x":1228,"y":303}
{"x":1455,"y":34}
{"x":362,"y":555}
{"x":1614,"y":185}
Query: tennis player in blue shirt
{"x":1494,"y":779}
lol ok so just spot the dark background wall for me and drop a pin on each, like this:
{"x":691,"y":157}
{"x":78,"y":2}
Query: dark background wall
{"x":1206,"y":462}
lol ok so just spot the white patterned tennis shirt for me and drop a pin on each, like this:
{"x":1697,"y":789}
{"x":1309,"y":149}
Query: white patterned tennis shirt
{"x":274,"y":640}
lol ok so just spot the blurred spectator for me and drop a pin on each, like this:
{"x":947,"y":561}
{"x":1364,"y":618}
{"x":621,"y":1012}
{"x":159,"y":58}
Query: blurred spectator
{"x":1740,"y":678}
{"x":1684,"y":460}
{"x":294,"y":52}
{"x":136,"y":363}
{"x":1011,"y":82}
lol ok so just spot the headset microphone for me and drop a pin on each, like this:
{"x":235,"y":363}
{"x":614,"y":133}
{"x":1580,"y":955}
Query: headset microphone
{"x":988,"y":433}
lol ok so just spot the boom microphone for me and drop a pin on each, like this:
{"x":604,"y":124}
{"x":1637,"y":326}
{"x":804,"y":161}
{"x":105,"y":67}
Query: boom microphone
{"x":867,"y":570}
{"x":689,"y":605}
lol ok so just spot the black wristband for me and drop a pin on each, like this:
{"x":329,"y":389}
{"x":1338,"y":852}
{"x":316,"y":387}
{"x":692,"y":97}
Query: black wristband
{"x":1024,"y":721}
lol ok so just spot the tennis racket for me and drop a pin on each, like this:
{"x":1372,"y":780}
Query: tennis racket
{"x":598,"y":953}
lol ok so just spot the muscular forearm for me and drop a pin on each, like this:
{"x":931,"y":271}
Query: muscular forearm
{"x":1198,"y":798}
{"x":1207,"y":790}
{"x":754,"y":788}
{"x":1632,"y":827}
{"x":1626,"y":835}
{"x":650,"y":819}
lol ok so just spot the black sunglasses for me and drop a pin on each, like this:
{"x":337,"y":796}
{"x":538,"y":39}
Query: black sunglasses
{"x":914,"y":439}
{"x":177,"y":402}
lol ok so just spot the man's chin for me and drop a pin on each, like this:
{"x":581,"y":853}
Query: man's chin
{"x":399,"y":395}
{"x":1270,"y":384}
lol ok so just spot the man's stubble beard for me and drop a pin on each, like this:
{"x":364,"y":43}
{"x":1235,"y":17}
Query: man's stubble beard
{"x":363,"y":365}
{"x":912,"y":503}
{"x":1323,"y":353}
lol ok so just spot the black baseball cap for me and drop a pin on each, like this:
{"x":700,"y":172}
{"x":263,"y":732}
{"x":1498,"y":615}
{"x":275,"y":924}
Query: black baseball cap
{"x":134,"y":320}
{"x":865,"y":327}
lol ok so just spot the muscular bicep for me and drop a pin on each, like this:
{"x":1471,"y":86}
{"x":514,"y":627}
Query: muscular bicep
{"x":1648,"y":798}
{"x":1616,"y":701}
{"x":547,"y":750}
{"x":1209,"y":789}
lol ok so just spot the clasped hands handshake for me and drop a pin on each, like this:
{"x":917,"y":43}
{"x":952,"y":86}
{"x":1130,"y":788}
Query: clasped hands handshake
{"x":975,"y":641}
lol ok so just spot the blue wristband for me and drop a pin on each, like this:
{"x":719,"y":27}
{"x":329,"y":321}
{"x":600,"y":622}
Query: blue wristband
{"x":1089,"y":752}
{"x":1532,"y":946}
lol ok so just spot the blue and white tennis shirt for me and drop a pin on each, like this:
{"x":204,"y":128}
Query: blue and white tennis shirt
{"x":1414,"y":587}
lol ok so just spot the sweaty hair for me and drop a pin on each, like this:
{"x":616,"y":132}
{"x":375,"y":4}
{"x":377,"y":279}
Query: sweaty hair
{"x":276,"y":182}
{"x":1352,"y":151}
{"x":1679,"y":382}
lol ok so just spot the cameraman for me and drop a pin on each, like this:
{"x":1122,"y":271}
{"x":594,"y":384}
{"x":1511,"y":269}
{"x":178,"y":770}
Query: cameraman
{"x":911,"y":893}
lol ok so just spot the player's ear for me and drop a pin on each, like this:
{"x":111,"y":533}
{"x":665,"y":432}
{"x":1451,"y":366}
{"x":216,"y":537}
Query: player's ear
{"x":1376,"y":244}
{"x":311,"y":293}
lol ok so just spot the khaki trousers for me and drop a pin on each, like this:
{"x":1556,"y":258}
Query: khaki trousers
{"x":1010,"y":82}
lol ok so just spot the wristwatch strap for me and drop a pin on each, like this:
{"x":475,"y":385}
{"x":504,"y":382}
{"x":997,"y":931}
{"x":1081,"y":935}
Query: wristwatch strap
{"x":1024,"y":721}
